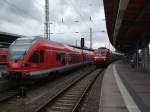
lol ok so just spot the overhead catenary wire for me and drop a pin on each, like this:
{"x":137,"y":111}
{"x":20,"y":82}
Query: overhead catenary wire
{"x":21,"y":10}
{"x":76,"y":32}
{"x":90,"y":20}
{"x":90,"y":17}
{"x":77,"y":11}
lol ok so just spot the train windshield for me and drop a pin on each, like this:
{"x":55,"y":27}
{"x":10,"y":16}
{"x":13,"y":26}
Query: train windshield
{"x":23,"y":41}
{"x":100,"y":52}
{"x":17,"y":52}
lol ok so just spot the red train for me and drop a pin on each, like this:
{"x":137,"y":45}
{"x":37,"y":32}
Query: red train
{"x":102,"y":57}
{"x":36,"y":57}
{"x":3,"y":57}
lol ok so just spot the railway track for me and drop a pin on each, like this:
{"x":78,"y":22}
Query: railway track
{"x":8,"y":90}
{"x":10,"y":93}
{"x":15,"y":90}
{"x":70,"y":98}
{"x":29,"y":103}
{"x":12,"y":90}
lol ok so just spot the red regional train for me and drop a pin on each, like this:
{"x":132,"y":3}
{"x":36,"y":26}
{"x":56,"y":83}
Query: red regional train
{"x":36,"y":57}
{"x":102,"y":57}
{"x":3,"y":57}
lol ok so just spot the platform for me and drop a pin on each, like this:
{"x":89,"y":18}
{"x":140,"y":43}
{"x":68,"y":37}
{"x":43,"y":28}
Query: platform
{"x":125,"y":89}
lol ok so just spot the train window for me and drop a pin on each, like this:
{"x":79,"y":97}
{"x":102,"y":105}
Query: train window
{"x":75,"y":58}
{"x":41,"y":56}
{"x":35,"y":57}
{"x":101,"y":52}
{"x":60,"y":57}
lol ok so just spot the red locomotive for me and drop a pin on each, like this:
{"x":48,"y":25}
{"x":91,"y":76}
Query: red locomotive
{"x":36,"y":57}
{"x":102,"y":57}
{"x":3,"y":57}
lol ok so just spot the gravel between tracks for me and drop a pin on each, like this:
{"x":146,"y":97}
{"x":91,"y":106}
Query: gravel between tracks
{"x":91,"y":102}
{"x":70,"y":98}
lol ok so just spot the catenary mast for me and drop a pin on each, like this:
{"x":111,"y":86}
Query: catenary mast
{"x":47,"y":25}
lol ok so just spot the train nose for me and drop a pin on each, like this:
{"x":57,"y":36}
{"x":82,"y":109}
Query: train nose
{"x":14,"y":64}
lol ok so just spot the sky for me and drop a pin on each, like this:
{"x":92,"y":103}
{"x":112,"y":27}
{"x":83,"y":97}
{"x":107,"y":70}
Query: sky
{"x":27,"y":17}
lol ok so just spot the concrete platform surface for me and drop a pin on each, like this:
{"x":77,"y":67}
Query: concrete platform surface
{"x":125,"y":89}
{"x":111,"y":99}
{"x":137,"y":83}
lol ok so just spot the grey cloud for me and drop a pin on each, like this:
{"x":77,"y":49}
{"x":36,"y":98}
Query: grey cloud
{"x":17,"y":11}
{"x":29,"y":19}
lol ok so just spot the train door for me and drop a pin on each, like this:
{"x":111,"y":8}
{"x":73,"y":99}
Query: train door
{"x":68,"y":58}
{"x":47,"y":57}
{"x":61,"y":58}
{"x":50,"y":58}
{"x":37,"y":59}
{"x":65,"y":57}
{"x":42,"y":58}
{"x":34,"y":59}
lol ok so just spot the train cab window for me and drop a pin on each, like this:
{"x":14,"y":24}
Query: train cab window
{"x":41,"y":56}
{"x":35,"y":57}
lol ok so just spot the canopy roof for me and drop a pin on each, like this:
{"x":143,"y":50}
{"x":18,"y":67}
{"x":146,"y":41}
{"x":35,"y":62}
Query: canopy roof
{"x":128,"y":23}
{"x":7,"y":38}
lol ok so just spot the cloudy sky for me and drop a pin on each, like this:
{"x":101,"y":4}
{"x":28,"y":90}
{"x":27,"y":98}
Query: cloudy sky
{"x":26,"y":17}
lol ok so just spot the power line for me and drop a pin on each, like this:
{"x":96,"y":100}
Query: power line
{"x":78,"y":12}
{"x":78,"y":32}
{"x":75,"y":9}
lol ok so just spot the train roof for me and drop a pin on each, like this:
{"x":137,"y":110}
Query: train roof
{"x":101,"y":48}
{"x":34,"y":39}
{"x":81,"y":48}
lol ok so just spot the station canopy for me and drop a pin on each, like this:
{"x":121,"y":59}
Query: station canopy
{"x":7,"y":38}
{"x":128,"y":23}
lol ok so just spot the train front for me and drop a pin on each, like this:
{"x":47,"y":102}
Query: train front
{"x":102,"y":56}
{"x":17,"y":59}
